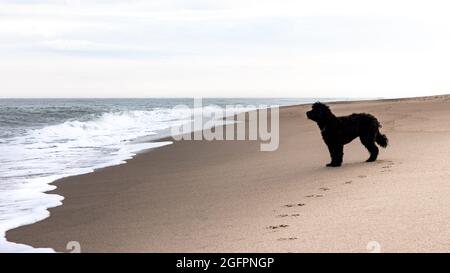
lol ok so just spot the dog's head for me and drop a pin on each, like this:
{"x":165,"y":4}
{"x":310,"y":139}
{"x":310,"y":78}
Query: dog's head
{"x":320,"y":112}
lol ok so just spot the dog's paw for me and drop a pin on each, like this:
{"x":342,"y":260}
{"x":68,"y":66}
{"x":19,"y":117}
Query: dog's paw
{"x":333,"y":165}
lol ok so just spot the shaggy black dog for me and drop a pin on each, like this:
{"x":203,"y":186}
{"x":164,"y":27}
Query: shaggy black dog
{"x":338,"y":131}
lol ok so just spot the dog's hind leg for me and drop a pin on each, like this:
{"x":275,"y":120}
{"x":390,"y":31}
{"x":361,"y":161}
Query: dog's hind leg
{"x":337,"y":154}
{"x":369,"y":142}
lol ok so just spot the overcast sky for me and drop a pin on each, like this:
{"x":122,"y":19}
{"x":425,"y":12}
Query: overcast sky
{"x":224,"y":48}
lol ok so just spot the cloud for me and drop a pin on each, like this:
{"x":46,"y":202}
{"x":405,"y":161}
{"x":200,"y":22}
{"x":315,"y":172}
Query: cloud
{"x":223,"y":47}
{"x":95,"y":49}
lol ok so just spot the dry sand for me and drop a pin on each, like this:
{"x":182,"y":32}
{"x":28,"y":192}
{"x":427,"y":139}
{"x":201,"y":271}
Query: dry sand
{"x":227,"y":196}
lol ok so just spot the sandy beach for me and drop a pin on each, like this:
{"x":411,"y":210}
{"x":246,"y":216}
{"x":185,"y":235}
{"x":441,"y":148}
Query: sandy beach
{"x":228,"y":196}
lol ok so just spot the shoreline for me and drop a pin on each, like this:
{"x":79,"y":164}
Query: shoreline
{"x":146,"y":170}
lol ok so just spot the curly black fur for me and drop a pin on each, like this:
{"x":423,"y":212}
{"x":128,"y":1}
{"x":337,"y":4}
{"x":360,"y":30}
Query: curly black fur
{"x":338,"y":131}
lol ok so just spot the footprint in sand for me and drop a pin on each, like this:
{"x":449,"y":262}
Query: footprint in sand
{"x":286,"y":215}
{"x":387,"y":168}
{"x":388,"y":162}
{"x":287,"y":239}
{"x":294,"y":205}
{"x":314,"y":195}
{"x":348,"y":182}
{"x":277,"y":227}
{"x":324,"y":189}
{"x":362,"y":176}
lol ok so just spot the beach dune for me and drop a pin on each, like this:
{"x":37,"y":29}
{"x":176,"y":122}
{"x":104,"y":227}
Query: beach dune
{"x":228,"y":196}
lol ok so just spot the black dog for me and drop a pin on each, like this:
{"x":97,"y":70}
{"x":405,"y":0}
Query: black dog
{"x":338,"y":131}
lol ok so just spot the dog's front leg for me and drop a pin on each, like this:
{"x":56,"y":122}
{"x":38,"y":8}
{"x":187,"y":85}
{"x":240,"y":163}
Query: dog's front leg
{"x":337,"y":153}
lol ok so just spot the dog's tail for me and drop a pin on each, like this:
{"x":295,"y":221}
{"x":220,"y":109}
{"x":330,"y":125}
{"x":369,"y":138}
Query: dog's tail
{"x":382,"y":140}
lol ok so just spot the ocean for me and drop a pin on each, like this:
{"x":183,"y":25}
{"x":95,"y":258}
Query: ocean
{"x":42,"y":140}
